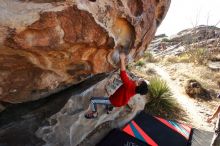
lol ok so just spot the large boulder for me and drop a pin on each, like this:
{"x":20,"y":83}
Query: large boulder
{"x":46,"y":44}
{"x":59,"y":119}
{"x":72,"y":128}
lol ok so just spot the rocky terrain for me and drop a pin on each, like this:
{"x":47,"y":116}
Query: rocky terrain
{"x":56,"y":54}
{"x":197,"y":47}
{"x":189,"y":63}
{"x":207,"y":37}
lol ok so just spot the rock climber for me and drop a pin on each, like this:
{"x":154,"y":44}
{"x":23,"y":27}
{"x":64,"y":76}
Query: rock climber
{"x":122,"y":95}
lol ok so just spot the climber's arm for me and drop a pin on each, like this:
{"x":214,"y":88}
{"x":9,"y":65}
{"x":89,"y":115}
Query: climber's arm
{"x":214,"y":115}
{"x":122,"y":61}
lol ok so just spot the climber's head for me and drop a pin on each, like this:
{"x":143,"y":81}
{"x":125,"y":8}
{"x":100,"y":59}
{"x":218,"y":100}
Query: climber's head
{"x":142,"y":87}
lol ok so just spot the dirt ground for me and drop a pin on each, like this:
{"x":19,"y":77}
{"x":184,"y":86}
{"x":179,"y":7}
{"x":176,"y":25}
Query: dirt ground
{"x":176,"y":75}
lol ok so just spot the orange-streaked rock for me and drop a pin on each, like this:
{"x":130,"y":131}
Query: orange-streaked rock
{"x":65,"y":42}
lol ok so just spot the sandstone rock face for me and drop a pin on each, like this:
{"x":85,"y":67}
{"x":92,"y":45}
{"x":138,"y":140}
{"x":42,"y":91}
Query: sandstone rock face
{"x":71,"y":128}
{"x":45,"y":44}
{"x":59,"y":119}
{"x":19,"y":122}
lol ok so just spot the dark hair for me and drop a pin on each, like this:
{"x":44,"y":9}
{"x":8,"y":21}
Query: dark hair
{"x":142,"y":89}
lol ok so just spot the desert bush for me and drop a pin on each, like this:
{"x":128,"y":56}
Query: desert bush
{"x":129,"y":67}
{"x":150,"y":71}
{"x":171,"y":59}
{"x":198,"y":55}
{"x":161,"y":101}
{"x":148,"y":56}
{"x":139,"y":63}
{"x":194,"y":55}
{"x":165,"y":40}
{"x":183,"y":58}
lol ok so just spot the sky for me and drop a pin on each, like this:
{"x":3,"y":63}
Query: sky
{"x":184,"y":14}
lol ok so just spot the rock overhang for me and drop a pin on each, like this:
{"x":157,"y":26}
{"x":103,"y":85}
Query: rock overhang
{"x":62,"y":42}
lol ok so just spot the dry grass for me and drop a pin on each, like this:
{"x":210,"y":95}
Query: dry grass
{"x":198,"y":56}
{"x":177,"y":59}
{"x":171,"y":59}
{"x":148,"y":57}
{"x":210,"y":79}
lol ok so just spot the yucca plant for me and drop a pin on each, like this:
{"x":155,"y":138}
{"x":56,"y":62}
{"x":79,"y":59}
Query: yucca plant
{"x":161,"y":102}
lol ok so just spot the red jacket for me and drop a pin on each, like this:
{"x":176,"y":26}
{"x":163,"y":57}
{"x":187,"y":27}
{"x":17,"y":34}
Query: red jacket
{"x":123,"y":94}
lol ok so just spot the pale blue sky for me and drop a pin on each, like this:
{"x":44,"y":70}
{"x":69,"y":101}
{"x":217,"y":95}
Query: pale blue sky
{"x":184,"y":14}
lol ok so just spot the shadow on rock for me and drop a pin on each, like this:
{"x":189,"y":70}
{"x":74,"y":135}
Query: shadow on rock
{"x":18,"y":123}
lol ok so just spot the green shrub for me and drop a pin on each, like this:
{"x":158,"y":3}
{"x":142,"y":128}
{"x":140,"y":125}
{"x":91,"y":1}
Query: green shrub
{"x":129,"y":67}
{"x":184,"y":58}
{"x":161,"y":102}
{"x":148,"y":56}
{"x":139,"y":63}
{"x":165,"y":40}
